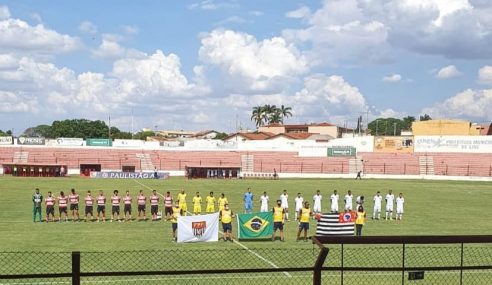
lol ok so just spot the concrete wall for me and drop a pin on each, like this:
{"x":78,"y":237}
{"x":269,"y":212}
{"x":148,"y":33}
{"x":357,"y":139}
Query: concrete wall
{"x":324,"y":130}
{"x":461,"y":144}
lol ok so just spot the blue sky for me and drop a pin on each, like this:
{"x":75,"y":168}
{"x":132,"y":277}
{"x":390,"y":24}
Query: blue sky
{"x":204,"y":64}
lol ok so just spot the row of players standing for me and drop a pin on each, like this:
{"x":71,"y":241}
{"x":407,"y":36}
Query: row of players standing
{"x":334,"y":199}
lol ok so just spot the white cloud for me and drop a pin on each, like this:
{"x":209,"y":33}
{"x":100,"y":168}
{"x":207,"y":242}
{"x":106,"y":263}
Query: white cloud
{"x":471,"y":104}
{"x":11,"y":102}
{"x":200,"y":118}
{"x":4,"y":12}
{"x":392,"y":78}
{"x":299,"y":13}
{"x":231,"y":20}
{"x":88,"y":27}
{"x":390,"y":113}
{"x":18,"y":36}
{"x":110,"y":48}
{"x":130,"y":30}
{"x":447,"y":72}
{"x":249,"y":63}
{"x":212,"y":5}
{"x":485,"y":75}
{"x":256,"y":13}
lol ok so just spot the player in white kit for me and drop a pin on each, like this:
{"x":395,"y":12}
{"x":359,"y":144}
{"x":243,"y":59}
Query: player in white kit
{"x":334,"y":201}
{"x":348,"y":201}
{"x":317,"y":202}
{"x":378,"y":199}
{"x":299,"y":201}
{"x":285,"y":203}
{"x":390,"y":200}
{"x":399,"y":206}
{"x":264,"y":202}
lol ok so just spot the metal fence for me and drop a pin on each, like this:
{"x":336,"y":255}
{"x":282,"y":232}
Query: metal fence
{"x":407,"y":260}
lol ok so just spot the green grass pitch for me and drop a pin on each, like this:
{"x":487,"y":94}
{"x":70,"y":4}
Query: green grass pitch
{"x":431,"y":208}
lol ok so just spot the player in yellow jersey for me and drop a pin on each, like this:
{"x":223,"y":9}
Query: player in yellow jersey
{"x":222,"y":201}
{"x":176,"y":212}
{"x":210,"y":203}
{"x":278,"y":220}
{"x":304,"y":215}
{"x":226,"y":216}
{"x":197,"y":204}
{"x":182,"y":201}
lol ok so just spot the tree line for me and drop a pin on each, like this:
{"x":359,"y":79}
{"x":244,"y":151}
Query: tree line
{"x":393,"y":126}
{"x":270,"y":114}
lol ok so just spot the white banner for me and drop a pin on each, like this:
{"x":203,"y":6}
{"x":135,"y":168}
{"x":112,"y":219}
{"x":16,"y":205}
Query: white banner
{"x":201,"y":228}
{"x":6,"y":140}
{"x":128,"y":143}
{"x":468,"y":144}
{"x":70,"y":141}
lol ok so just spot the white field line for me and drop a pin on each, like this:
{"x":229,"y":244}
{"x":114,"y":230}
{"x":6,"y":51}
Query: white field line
{"x":235,"y":241}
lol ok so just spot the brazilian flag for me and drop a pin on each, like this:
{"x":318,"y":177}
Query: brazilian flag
{"x":255,"y":225}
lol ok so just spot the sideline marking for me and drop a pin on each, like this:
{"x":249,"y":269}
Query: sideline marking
{"x":235,"y":241}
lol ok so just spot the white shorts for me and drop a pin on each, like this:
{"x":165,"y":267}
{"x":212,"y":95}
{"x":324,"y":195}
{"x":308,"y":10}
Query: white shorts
{"x":284,"y":206}
{"x":317,"y":208}
{"x":298,"y":209}
{"x":399,"y":210}
{"x":348,"y":207}
{"x":389,"y":208}
{"x":264,"y":208}
{"x":334,"y":208}
{"x":377,"y":208}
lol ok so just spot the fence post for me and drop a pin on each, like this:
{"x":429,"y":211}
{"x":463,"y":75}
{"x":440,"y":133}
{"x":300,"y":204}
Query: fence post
{"x":404,"y":169}
{"x":280,"y":169}
{"x":301,"y":167}
{"x":75,"y":268}
{"x":403,"y":266}
{"x":318,"y":266}
{"x":341,"y":265}
{"x":384,"y":168}
{"x":461,"y":265}
{"x":468,"y":170}
{"x":322,"y":168}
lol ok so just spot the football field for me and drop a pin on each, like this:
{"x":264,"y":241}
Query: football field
{"x":431,"y":208}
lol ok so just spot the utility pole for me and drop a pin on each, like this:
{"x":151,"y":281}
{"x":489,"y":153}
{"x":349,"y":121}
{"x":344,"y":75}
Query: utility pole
{"x":394,"y":129}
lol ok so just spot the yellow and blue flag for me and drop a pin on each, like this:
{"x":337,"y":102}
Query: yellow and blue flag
{"x":255,"y":225}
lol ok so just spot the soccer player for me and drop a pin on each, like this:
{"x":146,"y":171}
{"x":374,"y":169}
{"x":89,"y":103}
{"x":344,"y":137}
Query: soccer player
{"x":264,"y":202}
{"x":210,"y":203}
{"x":390,"y":199}
{"x":50,"y":207}
{"x":177,"y":211}
{"x":197,"y":204}
{"x":62,"y":206}
{"x":359,"y":221}
{"x":115,"y":206}
{"x":299,"y":202}
{"x":127,"y":210}
{"x":334,"y":201}
{"x":317,"y":202}
{"x":248,"y":201}
{"x":89,"y":202}
{"x":285,"y":203}
{"x":399,"y":206}
{"x":37,"y":199}
{"x":348,"y":201}
{"x":278,"y":220}
{"x":168,"y":205}
{"x":154,"y":205}
{"x":304,"y":215}
{"x":101,"y":207}
{"x":222,"y":201}
{"x":359,"y":201}
{"x":74,"y":204}
{"x":182,"y":202}
{"x":141,"y":201}
{"x":226,"y":216}
{"x":376,"y":213}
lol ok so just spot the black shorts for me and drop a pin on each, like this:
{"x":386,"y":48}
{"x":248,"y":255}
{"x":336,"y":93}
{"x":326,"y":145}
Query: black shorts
{"x":88,"y":210}
{"x":304,"y":226}
{"x":168,"y":210}
{"x":74,"y":207}
{"x":154,"y":209}
{"x":174,"y":226}
{"x":62,"y":210}
{"x":227,"y":227}
{"x":128,"y":209}
{"x":278,"y":226}
{"x":115,"y":209}
{"x":50,"y":210}
{"x":101,"y":209}
{"x":141,"y":208}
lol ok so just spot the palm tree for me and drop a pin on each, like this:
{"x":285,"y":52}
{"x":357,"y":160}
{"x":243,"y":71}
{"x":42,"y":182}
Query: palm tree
{"x":276,"y":118}
{"x":268,"y":111}
{"x":285,"y":112}
{"x":257,"y":115}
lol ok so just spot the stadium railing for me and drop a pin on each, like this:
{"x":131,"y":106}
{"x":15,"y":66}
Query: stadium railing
{"x":406,"y":260}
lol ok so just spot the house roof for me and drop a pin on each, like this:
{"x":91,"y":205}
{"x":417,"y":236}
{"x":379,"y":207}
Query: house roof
{"x":204,"y":133}
{"x":294,"y":136}
{"x":252,"y":136}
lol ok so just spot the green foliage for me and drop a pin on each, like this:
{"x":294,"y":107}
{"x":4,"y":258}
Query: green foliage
{"x":76,"y":128}
{"x":270,"y":114}
{"x":425,"y":117}
{"x":2,"y":133}
{"x":143,"y":135}
{"x":221,"y":136}
{"x":387,"y":126}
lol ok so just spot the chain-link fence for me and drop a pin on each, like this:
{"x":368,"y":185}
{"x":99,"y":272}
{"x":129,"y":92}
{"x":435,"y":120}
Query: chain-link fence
{"x":408,"y":260}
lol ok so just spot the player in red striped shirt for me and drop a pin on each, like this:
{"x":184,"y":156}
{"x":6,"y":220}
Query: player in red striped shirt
{"x":127,"y":201}
{"x":115,"y":206}
{"x":50,"y":202}
{"x":141,"y":201}
{"x":89,"y":202}
{"x":62,"y":206}
{"x":74,"y":204}
{"x":154,"y":205}
{"x":101,"y":206}
{"x":168,"y":205}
